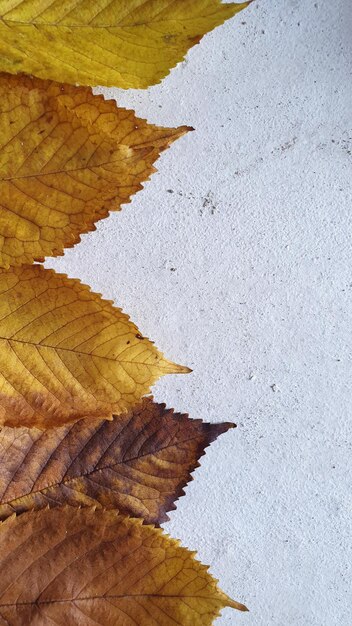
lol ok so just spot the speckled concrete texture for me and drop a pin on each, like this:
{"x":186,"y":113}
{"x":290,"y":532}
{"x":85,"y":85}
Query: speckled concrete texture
{"x":236,"y":260}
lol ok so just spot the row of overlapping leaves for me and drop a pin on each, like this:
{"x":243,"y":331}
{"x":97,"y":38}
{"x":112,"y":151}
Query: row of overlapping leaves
{"x":89,"y":465}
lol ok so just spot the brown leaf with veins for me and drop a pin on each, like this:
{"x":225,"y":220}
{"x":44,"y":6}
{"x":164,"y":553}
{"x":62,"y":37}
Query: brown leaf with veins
{"x":67,"y":158}
{"x":138,"y":463}
{"x":65,"y":353}
{"x":81,"y":566}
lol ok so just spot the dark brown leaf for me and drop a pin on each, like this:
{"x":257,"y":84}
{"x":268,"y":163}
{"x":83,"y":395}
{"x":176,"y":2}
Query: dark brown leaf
{"x":138,"y":463}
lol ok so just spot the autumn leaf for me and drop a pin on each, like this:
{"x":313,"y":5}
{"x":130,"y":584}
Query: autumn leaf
{"x":67,"y":158}
{"x":138,"y":463}
{"x":130,"y":44}
{"x":66,"y":354}
{"x":81,"y":566}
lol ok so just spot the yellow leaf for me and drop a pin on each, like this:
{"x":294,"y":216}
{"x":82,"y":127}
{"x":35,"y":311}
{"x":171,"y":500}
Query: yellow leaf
{"x":68,"y":566}
{"x":66,"y":354}
{"x":67,"y":158}
{"x":110,"y":42}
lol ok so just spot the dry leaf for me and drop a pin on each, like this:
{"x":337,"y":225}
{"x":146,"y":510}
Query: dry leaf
{"x":80,"y":566}
{"x":66,"y":354}
{"x":113,"y":42}
{"x":138,"y":463}
{"x":67,"y":158}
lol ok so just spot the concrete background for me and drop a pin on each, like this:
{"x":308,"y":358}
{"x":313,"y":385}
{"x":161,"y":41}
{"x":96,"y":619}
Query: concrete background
{"x":243,"y":273}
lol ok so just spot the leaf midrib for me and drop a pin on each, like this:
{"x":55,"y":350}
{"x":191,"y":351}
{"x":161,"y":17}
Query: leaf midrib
{"x":106,"y":597}
{"x":93,"y":26}
{"x":90,"y":354}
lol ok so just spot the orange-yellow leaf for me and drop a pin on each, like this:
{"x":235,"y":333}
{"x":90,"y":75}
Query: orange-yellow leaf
{"x":66,"y":354}
{"x":123,"y":43}
{"x":67,"y":158}
{"x":138,"y":463}
{"x":68,"y":566}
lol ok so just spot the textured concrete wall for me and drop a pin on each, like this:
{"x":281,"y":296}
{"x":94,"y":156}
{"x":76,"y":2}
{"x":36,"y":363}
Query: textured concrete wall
{"x":243,"y":272}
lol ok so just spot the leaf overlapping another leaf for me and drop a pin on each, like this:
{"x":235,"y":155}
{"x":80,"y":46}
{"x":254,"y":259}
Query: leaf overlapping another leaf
{"x":67,"y":158}
{"x":130,"y":44}
{"x":66,"y":354}
{"x":137,"y":463}
{"x":81,"y":566}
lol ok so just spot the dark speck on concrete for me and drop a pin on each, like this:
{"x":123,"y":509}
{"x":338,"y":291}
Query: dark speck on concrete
{"x":209,"y":203}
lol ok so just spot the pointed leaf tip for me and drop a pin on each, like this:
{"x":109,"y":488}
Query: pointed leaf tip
{"x":169,"y":367}
{"x":237,"y":7}
{"x":238,"y":606}
{"x":183,"y":369}
{"x":185,"y":129}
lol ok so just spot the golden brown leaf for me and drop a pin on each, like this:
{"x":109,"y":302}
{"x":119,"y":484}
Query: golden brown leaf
{"x":138,"y":463}
{"x":67,"y":158}
{"x":66,"y":354}
{"x":80,"y":566}
{"x":110,"y":42}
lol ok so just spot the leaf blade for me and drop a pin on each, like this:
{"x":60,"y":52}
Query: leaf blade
{"x":128,"y":48}
{"x":138,"y":463}
{"x":66,"y":354}
{"x":67,"y":158}
{"x":66,"y":554}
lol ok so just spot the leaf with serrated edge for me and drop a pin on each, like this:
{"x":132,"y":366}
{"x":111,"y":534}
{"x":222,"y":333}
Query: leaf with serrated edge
{"x":66,"y":354}
{"x":82,"y":566}
{"x":130,"y":44}
{"x":138,"y":463}
{"x":67,"y":158}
